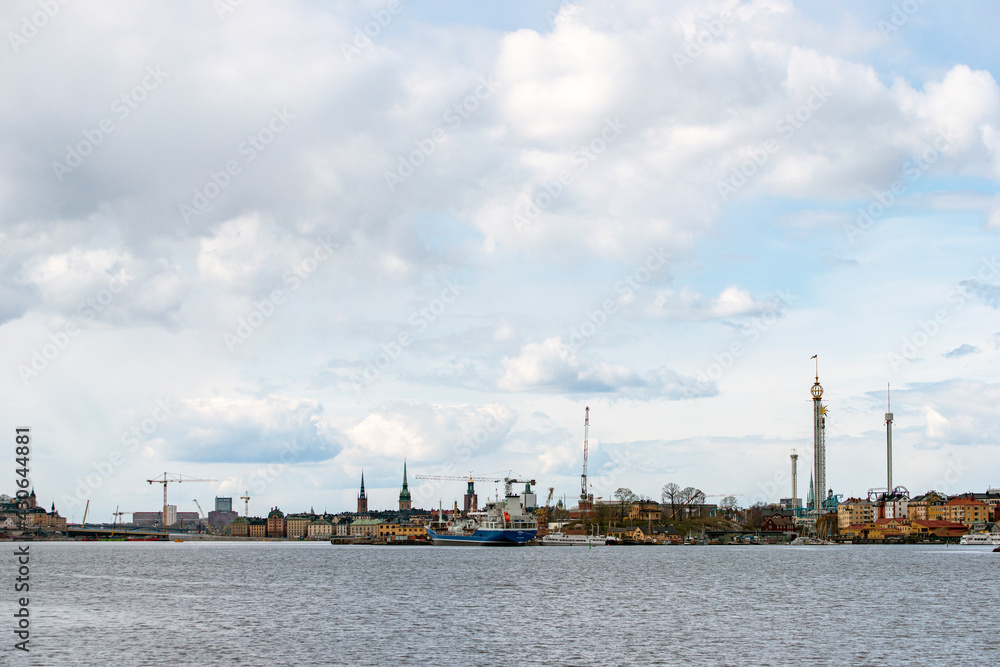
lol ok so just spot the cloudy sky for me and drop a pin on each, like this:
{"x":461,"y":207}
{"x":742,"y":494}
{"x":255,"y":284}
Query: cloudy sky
{"x":277,"y":244}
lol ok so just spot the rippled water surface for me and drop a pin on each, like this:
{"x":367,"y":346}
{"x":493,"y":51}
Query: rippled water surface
{"x":218,"y":603}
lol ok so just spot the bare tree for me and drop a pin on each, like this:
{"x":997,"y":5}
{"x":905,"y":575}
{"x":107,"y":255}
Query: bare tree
{"x":670,"y":495}
{"x":625,"y":498}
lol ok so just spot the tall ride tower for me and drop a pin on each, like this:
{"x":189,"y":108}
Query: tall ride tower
{"x":888,"y":444}
{"x":819,"y":443}
{"x":795,"y":476}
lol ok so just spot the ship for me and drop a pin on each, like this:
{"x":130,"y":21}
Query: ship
{"x":991,"y":539}
{"x":561,"y":539}
{"x":505,"y":523}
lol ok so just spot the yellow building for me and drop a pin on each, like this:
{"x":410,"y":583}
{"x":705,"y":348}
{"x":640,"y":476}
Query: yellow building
{"x":297,"y":525}
{"x":854,"y":511}
{"x":633,"y":534}
{"x":240,"y":527}
{"x":966,"y":511}
{"x":364,"y":528}
{"x":644,"y":510}
{"x":258,"y":528}
{"x":391,"y":530}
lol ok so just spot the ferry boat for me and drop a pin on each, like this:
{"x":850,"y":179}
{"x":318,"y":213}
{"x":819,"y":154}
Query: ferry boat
{"x":504,"y":523}
{"x":983,"y":539}
{"x":560,"y":539}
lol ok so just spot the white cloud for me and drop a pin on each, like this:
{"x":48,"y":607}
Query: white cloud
{"x":687,"y":304}
{"x":554,"y":366}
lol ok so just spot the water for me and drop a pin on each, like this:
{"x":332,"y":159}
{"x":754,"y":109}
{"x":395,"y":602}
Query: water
{"x":216,"y":603}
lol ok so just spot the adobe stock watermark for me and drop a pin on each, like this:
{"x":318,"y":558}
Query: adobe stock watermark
{"x":31,"y":24}
{"x":629,"y":284}
{"x":454,"y":117}
{"x":363,"y":35}
{"x":715,"y":28}
{"x":225,"y":7}
{"x":419,"y":320}
{"x":750,"y":333}
{"x":163,"y":409}
{"x":928,"y":329}
{"x":260,"y":479}
{"x":218,"y":181}
{"x":89,"y":309}
{"x":265,"y":308}
{"x":900,"y":16}
{"x":584,"y":156}
{"x":462,"y":451}
{"x":121,"y":107}
{"x":769,"y":491}
{"x":913,"y":169}
{"x":786,"y":127}
{"x":952,"y":475}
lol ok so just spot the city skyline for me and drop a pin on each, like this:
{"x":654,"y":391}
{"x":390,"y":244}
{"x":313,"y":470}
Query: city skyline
{"x":321,"y":239}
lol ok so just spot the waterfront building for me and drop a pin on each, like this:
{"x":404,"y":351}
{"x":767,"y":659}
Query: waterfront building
{"x":297,"y":525}
{"x":258,"y":527}
{"x":894,"y":506}
{"x":276,"y":523}
{"x":778,"y":523}
{"x":240,"y":527}
{"x":219,"y":520}
{"x":918,"y":507}
{"x":364,"y":528}
{"x":392,"y":530}
{"x":854,"y":511}
{"x":320,"y":529}
{"x":405,"y":503}
{"x":362,"y":498}
{"x":966,"y":511}
{"x":940,"y":529}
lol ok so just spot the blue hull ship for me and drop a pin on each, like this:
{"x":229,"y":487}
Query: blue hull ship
{"x":505,"y":523}
{"x":483,"y":538}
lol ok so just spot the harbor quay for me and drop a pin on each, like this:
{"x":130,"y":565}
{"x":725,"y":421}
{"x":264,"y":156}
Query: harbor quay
{"x":682,"y":517}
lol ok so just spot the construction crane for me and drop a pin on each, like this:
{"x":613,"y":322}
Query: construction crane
{"x":696,"y":494}
{"x":548,"y":501}
{"x":204,"y":518}
{"x":114,"y":520}
{"x":508,"y":481}
{"x":84,"y":523}
{"x":167,"y":480}
{"x":246,"y":503}
{"x":586,"y":501}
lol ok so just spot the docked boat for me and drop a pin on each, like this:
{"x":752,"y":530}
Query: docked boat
{"x":982,"y":539}
{"x":504,"y":523}
{"x":561,"y":539}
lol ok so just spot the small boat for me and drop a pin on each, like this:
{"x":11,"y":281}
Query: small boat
{"x":178,"y":540}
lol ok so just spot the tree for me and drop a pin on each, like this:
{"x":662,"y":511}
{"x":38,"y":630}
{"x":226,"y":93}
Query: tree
{"x":728,"y":506}
{"x":625,"y":498}
{"x":670,"y":495}
{"x":602,"y":513}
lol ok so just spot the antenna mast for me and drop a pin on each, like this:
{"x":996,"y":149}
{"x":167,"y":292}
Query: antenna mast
{"x":584,"y":496}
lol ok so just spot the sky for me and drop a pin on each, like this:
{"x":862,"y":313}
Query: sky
{"x":279,"y":245}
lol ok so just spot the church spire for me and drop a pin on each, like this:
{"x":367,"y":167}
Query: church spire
{"x":405,"y":502}
{"x":362,"y":498}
